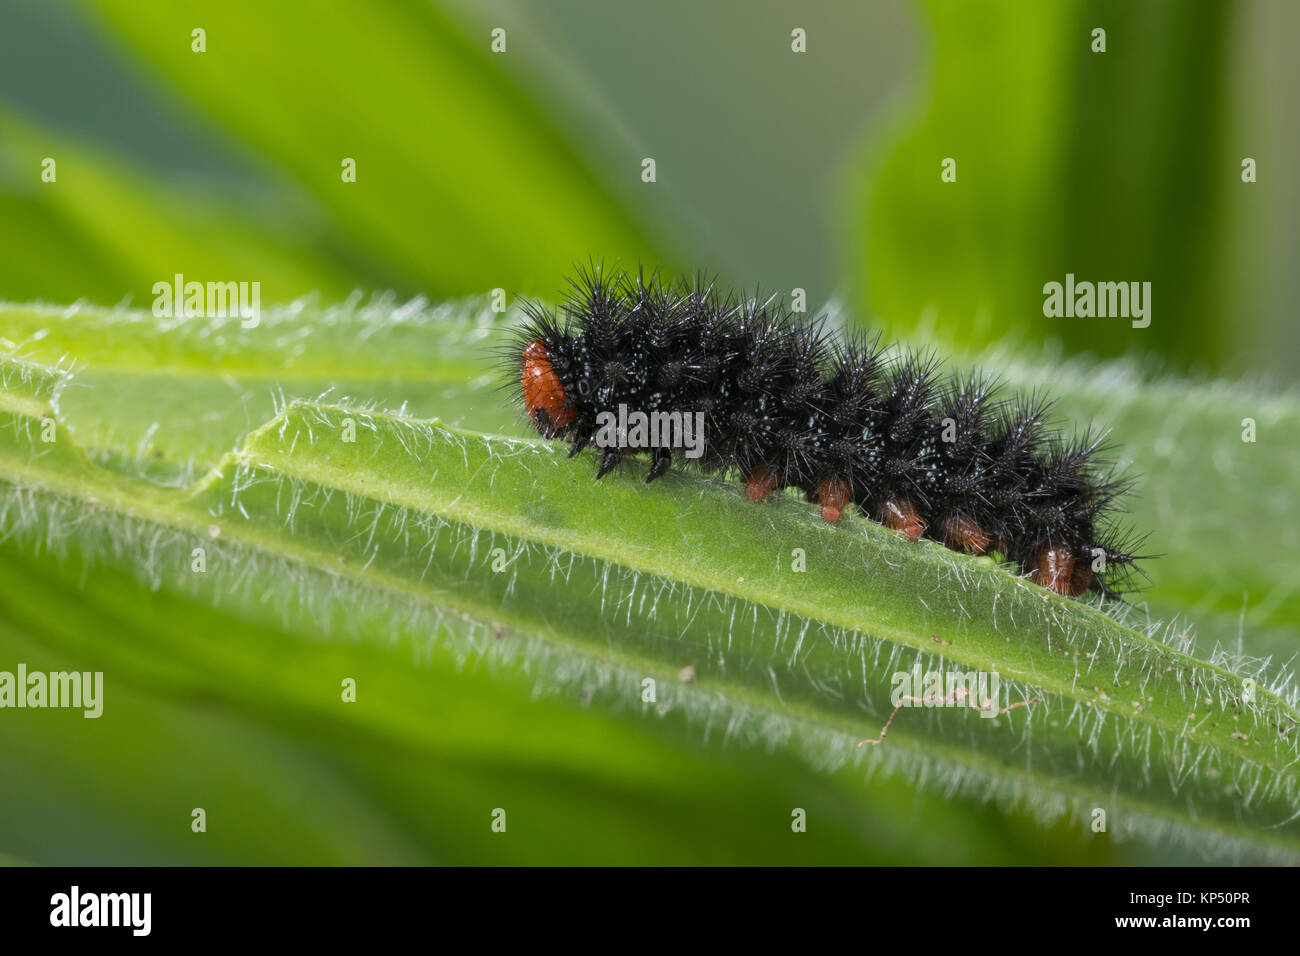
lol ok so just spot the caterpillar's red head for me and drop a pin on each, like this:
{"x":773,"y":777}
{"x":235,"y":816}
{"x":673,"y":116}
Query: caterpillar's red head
{"x":544,"y":397}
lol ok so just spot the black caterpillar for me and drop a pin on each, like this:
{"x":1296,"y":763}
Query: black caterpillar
{"x":783,"y":404}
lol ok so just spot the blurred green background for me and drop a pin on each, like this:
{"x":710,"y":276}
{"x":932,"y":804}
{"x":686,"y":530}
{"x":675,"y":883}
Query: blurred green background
{"x":816,"y":170}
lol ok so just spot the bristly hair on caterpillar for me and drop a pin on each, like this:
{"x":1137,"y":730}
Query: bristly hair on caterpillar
{"x":782,"y":403}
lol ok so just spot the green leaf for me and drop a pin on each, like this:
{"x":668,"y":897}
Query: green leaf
{"x":462,"y":183}
{"x":1201,"y":489}
{"x":102,"y":232}
{"x":601,"y":586}
{"x":1061,"y":169}
{"x":223,"y":693}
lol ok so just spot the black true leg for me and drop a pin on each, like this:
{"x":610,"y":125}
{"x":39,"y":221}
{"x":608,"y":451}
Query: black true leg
{"x":608,"y":463}
{"x":662,"y":462}
{"x":579,"y":443}
{"x":543,"y":422}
